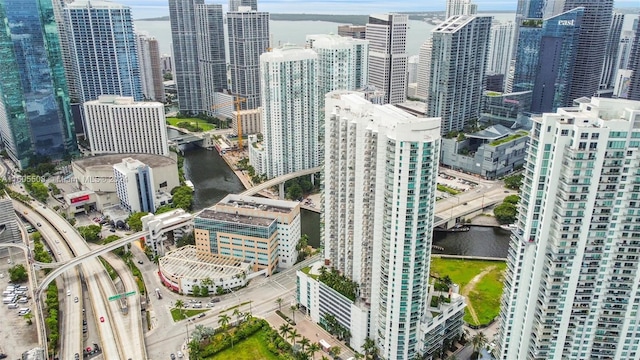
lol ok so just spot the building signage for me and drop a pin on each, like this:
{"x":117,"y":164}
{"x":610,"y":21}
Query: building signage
{"x":565,"y":22}
{"x":79,"y":199}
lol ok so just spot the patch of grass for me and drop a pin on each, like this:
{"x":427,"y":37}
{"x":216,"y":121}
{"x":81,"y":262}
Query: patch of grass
{"x":235,"y":306}
{"x":138,"y":276}
{"x":485,"y":299}
{"x":196,"y":122}
{"x":252,"y":348}
{"x":517,"y":135}
{"x":306,"y":270}
{"x":178,"y":315}
{"x":449,"y":190}
{"x":112,"y":273}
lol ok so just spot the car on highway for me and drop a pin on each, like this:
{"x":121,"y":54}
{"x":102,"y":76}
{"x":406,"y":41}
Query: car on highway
{"x":38,"y":224}
{"x":179,"y":353}
{"x":68,"y":292}
{"x":102,"y":319}
{"x":173,"y":357}
{"x":77,"y":356}
{"x":75,"y":299}
{"x":140,"y":262}
{"x":201,"y":315}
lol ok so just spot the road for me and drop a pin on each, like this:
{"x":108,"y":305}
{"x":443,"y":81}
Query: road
{"x":168,"y":337}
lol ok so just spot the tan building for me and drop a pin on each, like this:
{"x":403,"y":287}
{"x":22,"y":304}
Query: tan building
{"x":263,"y":230}
{"x":251,"y":121}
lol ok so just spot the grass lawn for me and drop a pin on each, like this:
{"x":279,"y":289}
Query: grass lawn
{"x":252,"y":348}
{"x":202,"y":124}
{"x":178,"y":315}
{"x":445,"y":188}
{"x":485,"y":295}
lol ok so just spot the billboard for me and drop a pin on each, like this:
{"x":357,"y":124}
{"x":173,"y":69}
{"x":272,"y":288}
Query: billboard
{"x":80,"y":198}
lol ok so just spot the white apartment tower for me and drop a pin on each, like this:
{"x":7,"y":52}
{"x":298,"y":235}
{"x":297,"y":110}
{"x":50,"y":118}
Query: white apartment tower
{"x":500,"y":48}
{"x":380,"y":174}
{"x":248,"y":38}
{"x":150,"y":68}
{"x":424,"y":69}
{"x":457,"y":73}
{"x":121,"y":125}
{"x":571,"y":290}
{"x":289,"y":109}
{"x":460,"y":7}
{"x":387,"y":35}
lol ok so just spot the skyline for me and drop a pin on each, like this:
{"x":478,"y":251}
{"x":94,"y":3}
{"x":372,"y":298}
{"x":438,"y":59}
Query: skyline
{"x":142,"y":9}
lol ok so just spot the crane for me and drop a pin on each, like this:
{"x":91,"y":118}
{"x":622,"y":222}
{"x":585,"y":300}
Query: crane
{"x":237,"y":101}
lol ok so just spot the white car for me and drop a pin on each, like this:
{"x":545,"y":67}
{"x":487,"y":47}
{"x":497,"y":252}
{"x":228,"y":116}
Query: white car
{"x":68,"y":292}
{"x":179,"y":353}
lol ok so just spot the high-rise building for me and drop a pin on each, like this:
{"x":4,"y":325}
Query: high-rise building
{"x":460,"y":7}
{"x":424,"y":69}
{"x":591,"y":47}
{"x":457,"y":74}
{"x":248,"y":38}
{"x":387,"y":35}
{"x":545,"y":57}
{"x":342,"y":62}
{"x":65,"y":47}
{"x":234,"y":5}
{"x":121,"y":125}
{"x":289,"y":109}
{"x":353,"y":31}
{"x":609,"y":66}
{"x":150,"y":68}
{"x":412,"y":69}
{"x":197,"y":32}
{"x":103,"y":49}
{"x":570,"y":291}
{"x":500,"y":48}
{"x":134,"y":185}
{"x":35,"y":114}
{"x":380,"y":168}
{"x":634,"y":65}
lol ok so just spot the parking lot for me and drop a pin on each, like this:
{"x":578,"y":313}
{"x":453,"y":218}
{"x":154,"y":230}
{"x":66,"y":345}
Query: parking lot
{"x":16,"y":336}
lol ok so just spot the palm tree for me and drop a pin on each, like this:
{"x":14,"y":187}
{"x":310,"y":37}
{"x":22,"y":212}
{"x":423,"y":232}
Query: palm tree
{"x":313,"y":349}
{"x":293,"y":309}
{"x":247,"y":316}
{"x":156,"y":259}
{"x":28,"y":317}
{"x":369,"y":347}
{"x":224,"y":321}
{"x":358,"y":356}
{"x":179,"y":306}
{"x":279,"y":301}
{"x":304,"y":342}
{"x":194,"y":349}
{"x":478,"y":341}
{"x":334,"y":351}
{"x":284,"y":330}
{"x":238,"y":315}
{"x":293,"y":335}
{"x":207,"y":282}
{"x":452,"y":357}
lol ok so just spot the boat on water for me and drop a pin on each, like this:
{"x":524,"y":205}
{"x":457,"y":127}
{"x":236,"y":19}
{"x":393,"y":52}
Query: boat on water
{"x":457,"y":228}
{"x":509,"y":227}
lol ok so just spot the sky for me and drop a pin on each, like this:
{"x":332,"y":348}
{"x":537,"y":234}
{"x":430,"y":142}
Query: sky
{"x":154,"y":8}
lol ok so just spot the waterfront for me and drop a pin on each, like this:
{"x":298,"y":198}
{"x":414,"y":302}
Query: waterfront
{"x":478,"y":241}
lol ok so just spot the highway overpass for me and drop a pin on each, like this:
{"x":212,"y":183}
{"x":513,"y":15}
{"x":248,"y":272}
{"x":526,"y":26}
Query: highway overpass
{"x":280,"y":180}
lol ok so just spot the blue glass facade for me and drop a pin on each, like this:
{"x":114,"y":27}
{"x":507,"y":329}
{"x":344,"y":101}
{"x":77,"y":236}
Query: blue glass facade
{"x":103,"y":44}
{"x":35,"y":113}
{"x":545,"y":57}
{"x":145,"y":189}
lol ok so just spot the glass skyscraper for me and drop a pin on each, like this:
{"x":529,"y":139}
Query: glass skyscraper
{"x":103,"y":47}
{"x":35,"y":115}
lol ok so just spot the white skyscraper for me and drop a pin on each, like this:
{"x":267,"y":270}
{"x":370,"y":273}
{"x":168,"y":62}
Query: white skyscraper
{"x":234,"y":5}
{"x":121,"y":125}
{"x":424,"y":69}
{"x":150,"y":68}
{"x":289,"y":109}
{"x":380,"y":174}
{"x":500,"y":48}
{"x":387,"y":35}
{"x":458,"y":62}
{"x":571,"y":288}
{"x":460,"y":7}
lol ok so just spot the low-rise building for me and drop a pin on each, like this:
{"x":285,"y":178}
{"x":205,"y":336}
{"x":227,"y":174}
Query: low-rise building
{"x":183,"y":269}
{"x":491,"y":153}
{"x":265,"y":231}
{"x":256,"y":155}
{"x":251,"y":121}
{"x":507,"y":109}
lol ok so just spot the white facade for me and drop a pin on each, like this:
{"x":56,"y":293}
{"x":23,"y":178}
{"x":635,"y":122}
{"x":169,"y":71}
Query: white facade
{"x":500,"y":48}
{"x":387,"y":35}
{"x":380,"y":176}
{"x":120,"y":125}
{"x":424,"y":70}
{"x":571,"y":288}
{"x":256,"y":155}
{"x":251,"y":121}
{"x":342,"y":62}
{"x":412,"y":69}
{"x":458,"y":61}
{"x":289,"y":109}
{"x":134,"y":185}
{"x":460,"y":7}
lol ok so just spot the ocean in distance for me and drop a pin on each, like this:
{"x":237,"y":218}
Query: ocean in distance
{"x":295,"y":32}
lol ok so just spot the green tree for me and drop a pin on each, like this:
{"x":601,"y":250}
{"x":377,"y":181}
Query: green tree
{"x":195,"y":290}
{"x":18,"y":273}
{"x":90,"y":233}
{"x":313,"y":349}
{"x":304,"y":342}
{"x":284,"y":330}
{"x":238,"y":314}
{"x":294,"y":335}
{"x":180,"y":305}
{"x":505,"y":213}
{"x":29,"y":317}
{"x":334,"y":351}
{"x":370,"y":349}
{"x":204,"y":291}
{"x":513,"y":182}
{"x":134,"y":221}
{"x":293,"y":309}
{"x":279,"y":302}
{"x":512,"y":199}
{"x":478,"y":342}
{"x":294,"y":192}
{"x":224,"y":321}
{"x":38,"y":190}
{"x":182,"y":197}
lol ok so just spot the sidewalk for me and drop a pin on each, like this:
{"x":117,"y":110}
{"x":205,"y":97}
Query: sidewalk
{"x":313,"y":332}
